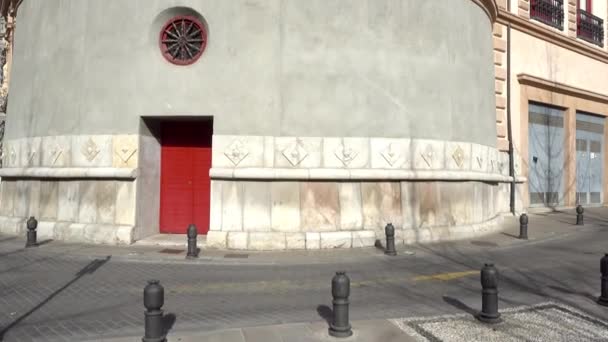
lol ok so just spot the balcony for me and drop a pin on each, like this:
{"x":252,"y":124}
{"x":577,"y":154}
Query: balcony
{"x":590,"y":28}
{"x":550,"y":12}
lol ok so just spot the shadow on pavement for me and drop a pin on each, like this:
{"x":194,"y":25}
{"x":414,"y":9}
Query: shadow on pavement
{"x":587,"y":295}
{"x":510,"y":235}
{"x":326,"y":313}
{"x":16,"y":251}
{"x":31,"y":262}
{"x":88,"y":269}
{"x":378,"y":245}
{"x":44,"y":242}
{"x":460,"y":305}
{"x":561,"y":283}
{"x":23,"y":249}
{"x":568,"y":222}
{"x":168,"y":322}
{"x":552,"y":212}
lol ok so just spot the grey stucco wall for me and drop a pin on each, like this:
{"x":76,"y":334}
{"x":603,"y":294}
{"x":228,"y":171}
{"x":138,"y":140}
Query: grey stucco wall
{"x":393,"y":68}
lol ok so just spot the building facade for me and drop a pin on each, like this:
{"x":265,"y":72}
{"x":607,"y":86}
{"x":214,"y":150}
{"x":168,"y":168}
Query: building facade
{"x":299,"y":125}
{"x":554,"y":86}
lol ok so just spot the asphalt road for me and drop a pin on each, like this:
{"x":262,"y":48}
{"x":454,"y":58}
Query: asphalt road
{"x":48,"y":297}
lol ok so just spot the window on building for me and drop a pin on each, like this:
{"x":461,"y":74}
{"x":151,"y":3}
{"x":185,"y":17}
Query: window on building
{"x":589,"y":27}
{"x":549,"y":12}
{"x":546,"y":136}
{"x":183,"y":40}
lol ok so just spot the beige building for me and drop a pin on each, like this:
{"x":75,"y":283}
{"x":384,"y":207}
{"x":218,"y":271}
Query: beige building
{"x":551,"y":76}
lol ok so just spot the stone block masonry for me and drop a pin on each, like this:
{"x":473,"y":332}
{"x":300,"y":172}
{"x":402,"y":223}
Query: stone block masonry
{"x":325,"y":215}
{"x":500,"y":69}
{"x":90,"y":211}
{"x":276,"y":193}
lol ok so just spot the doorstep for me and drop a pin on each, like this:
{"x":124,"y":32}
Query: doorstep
{"x":170,"y":240}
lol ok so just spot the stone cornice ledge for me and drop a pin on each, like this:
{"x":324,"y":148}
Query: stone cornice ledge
{"x":72,"y":172}
{"x":549,"y":35}
{"x":557,"y":87}
{"x":357,"y":174}
{"x":490,"y":7}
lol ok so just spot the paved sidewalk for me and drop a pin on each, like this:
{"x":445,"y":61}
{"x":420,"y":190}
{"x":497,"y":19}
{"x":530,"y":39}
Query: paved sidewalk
{"x":71,"y":292}
{"x":542,"y":227}
{"x":363,"y":331}
{"x":550,"y":321}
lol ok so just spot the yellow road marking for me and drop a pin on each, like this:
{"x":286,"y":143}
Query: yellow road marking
{"x":446,"y":276}
{"x":287,"y":285}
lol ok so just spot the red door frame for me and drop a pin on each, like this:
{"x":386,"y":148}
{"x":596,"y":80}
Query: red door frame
{"x":185,"y":184}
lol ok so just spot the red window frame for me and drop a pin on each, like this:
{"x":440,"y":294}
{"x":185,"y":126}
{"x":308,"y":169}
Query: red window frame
{"x":588,"y":8}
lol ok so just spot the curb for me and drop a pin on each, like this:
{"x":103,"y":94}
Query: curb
{"x":404,"y":252}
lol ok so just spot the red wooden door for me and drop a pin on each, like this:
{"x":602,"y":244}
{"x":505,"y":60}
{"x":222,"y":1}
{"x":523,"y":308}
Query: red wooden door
{"x":185,"y":184}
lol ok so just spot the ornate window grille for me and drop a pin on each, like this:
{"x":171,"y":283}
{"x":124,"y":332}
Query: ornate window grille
{"x":550,"y":12}
{"x":590,"y":28}
{"x":183,"y":40}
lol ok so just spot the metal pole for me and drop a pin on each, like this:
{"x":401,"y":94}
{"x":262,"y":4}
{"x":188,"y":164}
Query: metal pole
{"x":192,"y":249}
{"x":489,"y":295}
{"x":523,"y":227}
{"x":340,"y":290}
{"x":154,"y":299}
{"x":603,"y":299}
{"x":579,"y":215}
{"x":389,"y":230}
{"x":509,"y":128}
{"x":31,"y":224}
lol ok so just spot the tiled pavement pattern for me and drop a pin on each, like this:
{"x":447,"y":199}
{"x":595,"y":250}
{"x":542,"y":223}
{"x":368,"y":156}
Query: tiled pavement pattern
{"x":546,"y":322}
{"x":53,"y":297}
{"x":363,"y":331}
{"x":543,"y":322}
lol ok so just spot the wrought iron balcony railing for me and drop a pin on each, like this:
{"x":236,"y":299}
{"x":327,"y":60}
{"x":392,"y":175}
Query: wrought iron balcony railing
{"x":550,"y":12}
{"x":590,"y":28}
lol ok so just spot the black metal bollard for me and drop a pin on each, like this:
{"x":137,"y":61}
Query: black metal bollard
{"x":340,"y":290}
{"x":154,"y":299}
{"x":523,"y":227}
{"x":32,"y":224}
{"x":489,"y":295}
{"x":603,"y":299}
{"x":389,"y":230}
{"x":579,"y":215}
{"x":192,"y":249}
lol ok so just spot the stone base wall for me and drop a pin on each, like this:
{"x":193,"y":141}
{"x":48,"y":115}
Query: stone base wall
{"x":81,"y":188}
{"x":311,"y":215}
{"x":91,"y":210}
{"x":267,"y":193}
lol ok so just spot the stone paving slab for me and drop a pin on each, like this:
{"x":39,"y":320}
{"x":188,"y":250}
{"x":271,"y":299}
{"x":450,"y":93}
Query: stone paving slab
{"x":363,"y":331}
{"x":550,"y":322}
{"x":545,"y":322}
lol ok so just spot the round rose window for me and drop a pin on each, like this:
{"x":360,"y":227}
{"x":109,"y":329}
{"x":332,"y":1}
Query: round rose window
{"x":183,"y":40}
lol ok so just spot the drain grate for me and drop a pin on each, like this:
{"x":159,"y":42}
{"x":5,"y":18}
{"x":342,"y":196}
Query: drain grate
{"x":237,"y":256}
{"x":484,"y":243}
{"x":171,"y":251}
